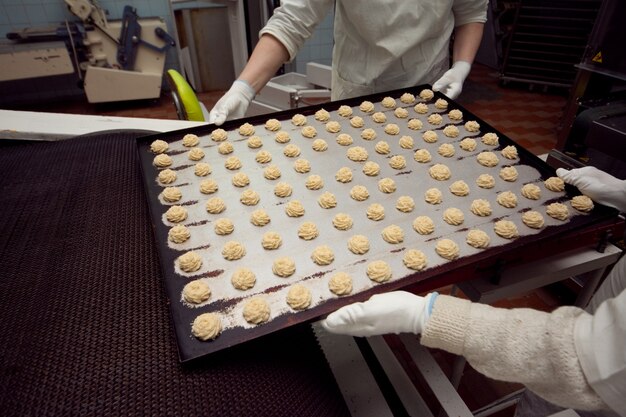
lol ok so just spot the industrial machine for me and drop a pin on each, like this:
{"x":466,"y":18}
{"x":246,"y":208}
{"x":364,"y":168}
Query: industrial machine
{"x":114,"y":60}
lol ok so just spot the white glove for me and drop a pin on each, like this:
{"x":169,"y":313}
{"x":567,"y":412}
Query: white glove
{"x":233,"y":104}
{"x":451,"y":82}
{"x":393,"y":312}
{"x":601,"y":187}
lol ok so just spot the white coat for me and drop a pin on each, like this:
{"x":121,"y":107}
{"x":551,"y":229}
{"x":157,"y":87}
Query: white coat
{"x":380,"y":45}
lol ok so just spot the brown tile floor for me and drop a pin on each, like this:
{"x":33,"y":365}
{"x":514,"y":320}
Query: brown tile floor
{"x":528,"y":117}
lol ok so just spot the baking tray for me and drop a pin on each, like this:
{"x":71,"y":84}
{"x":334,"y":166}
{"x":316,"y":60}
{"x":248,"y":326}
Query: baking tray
{"x":412,"y":180}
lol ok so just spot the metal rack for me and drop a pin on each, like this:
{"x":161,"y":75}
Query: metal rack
{"x":548,"y":38}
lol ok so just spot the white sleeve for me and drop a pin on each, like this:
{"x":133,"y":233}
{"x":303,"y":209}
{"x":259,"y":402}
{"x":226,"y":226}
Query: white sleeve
{"x":469,"y":11}
{"x":516,"y":345}
{"x":294,"y":22}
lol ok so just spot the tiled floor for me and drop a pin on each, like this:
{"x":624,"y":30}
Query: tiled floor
{"x":528,"y":117}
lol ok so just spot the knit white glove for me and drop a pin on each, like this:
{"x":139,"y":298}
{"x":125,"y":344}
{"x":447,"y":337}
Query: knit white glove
{"x":601,"y":187}
{"x":233,"y":104}
{"x":393,"y":312}
{"x":451,"y":82}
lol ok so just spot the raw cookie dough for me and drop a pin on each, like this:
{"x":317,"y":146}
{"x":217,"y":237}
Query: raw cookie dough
{"x":327,"y":200}
{"x":282,"y":189}
{"x":557,"y":211}
{"x":189,"y":262}
{"x":379,"y":117}
{"x":256,"y":310}
{"x":299,"y":297}
{"x":451,"y":131}
{"x":435,"y":119}
{"x":382,"y":147}
{"x":323,"y":255}
{"x":225,"y":148}
{"x":291,"y":151}
{"x":414,"y":259}
{"x":407,"y":98}
{"x":342,"y":221}
{"x":322,"y":115}
{"x":401,"y":113}
{"x":366,"y":107}
{"x":178,"y":234}
{"x":273,"y":125}
{"x":485,"y":181}
{"x":171,"y":194}
{"x":271,"y":241}
{"x":308,"y":231}
{"x":167,"y":176}
{"x":415,"y":124}
{"x":233,"y":250}
{"x":393,"y":234}
{"x":162,"y":160}
{"x":441,"y":104}
{"x":340,"y":284}
{"x":531,"y":191}
{"x":302,"y":166}
{"x":357,"y":121}
{"x":447,"y":249}
{"x":159,"y":146}
{"x":582,"y":203}
{"x":196,"y":291}
{"x":421,"y":108}
{"x":379,"y":271}
{"x":507,"y":199}
{"x":481,"y":207}
{"x":195,"y":154}
{"x":202,"y":169}
{"x":176,"y":214}
{"x":446,"y":150}
{"x":439,"y":172}
{"x":510,"y":152}
{"x":406,"y":142}
{"x":472,"y":126}
{"x":490,"y":139}
{"x":223,"y":226}
{"x":333,"y":127}
{"x":255,"y":142}
{"x":397,"y":162}
{"x":506,"y":229}
{"x":218,"y":135}
{"x":375,"y":212}
{"x":488,"y":159}
{"x":250,"y":198}
{"x":422,"y":156}
{"x":282,"y":137}
{"x":508,"y":174}
{"x":263,"y":157}
{"x":319,"y":145}
{"x":246,"y":129}
{"x":206,"y":326}
{"x":468,"y":144}
{"x":368,"y":134}
{"x":455,"y":114}
{"x":405,"y":204}
{"x":271,"y":172}
{"x":459,"y":188}
{"x":294,"y":208}
{"x":240,"y":180}
{"x":388,"y":103}
{"x":344,"y":139}
{"x":344,"y":175}
{"x":359,"y":193}
{"x":190,"y":140}
{"x":208,"y":186}
{"x":309,"y":132}
{"x":423,"y":225}
{"x":477,"y":238}
{"x":259,"y":217}
{"x":433,"y":196}
{"x":387,"y":185}
{"x":314,"y":182}
{"x":358,"y":244}
{"x":453,"y":216}
{"x":533,"y":219}
{"x":344,"y":111}
{"x":232,"y":163}
{"x":243,"y":279}
{"x":426,"y":94}
{"x":371,"y":169}
{"x":554,"y":184}
{"x":284,"y":267}
{"x":298,"y":120}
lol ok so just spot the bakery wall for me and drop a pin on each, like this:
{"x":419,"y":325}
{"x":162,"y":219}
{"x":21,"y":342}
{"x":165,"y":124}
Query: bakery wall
{"x":20,"y":14}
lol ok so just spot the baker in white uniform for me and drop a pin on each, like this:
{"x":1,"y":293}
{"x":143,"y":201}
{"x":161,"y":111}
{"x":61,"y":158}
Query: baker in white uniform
{"x":380,"y":45}
{"x":571,"y":357}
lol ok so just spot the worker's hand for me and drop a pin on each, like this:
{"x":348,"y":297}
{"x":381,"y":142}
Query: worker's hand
{"x":601,"y":187}
{"x":393,"y":312}
{"x":451,"y":82}
{"x":233,"y":104}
